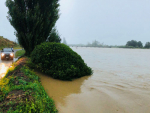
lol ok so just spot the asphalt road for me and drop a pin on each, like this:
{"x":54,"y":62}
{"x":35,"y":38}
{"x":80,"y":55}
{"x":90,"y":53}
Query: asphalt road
{"x":5,"y":64}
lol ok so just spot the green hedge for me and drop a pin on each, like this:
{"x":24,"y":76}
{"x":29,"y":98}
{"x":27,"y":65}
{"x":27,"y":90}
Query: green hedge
{"x":59,"y":61}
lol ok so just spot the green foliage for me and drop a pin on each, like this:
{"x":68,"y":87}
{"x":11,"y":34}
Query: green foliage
{"x":11,"y":69}
{"x":134,"y":43}
{"x":139,"y":44}
{"x":147,"y":45}
{"x":19,"y":53}
{"x":4,"y":42}
{"x":33,"y":20}
{"x":59,"y":61}
{"x":4,"y":88}
{"x":39,"y":101}
{"x":54,"y":36}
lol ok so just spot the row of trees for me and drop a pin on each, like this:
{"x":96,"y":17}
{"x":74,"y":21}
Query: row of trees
{"x":132,"y":43}
{"x":129,"y":44}
{"x":137,"y":44}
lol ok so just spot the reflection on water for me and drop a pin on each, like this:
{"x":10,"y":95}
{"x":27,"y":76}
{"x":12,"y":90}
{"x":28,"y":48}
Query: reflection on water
{"x":4,"y":65}
{"x":120,"y":83}
{"x":3,"y":69}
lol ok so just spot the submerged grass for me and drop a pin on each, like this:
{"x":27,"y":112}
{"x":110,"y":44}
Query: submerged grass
{"x":21,"y":91}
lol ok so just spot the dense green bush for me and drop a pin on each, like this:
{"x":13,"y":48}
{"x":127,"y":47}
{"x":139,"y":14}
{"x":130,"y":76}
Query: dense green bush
{"x":59,"y":61}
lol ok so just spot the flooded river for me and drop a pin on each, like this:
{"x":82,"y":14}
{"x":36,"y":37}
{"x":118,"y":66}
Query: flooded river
{"x":120,"y":83}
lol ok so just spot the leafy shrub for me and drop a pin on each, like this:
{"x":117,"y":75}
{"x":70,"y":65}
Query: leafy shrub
{"x":59,"y":61}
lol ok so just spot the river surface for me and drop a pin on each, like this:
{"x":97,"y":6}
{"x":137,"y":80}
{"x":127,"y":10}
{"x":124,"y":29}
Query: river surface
{"x":120,"y":83}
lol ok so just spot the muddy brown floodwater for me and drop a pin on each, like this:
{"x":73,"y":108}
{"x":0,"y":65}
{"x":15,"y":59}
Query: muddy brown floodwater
{"x":120,"y":83}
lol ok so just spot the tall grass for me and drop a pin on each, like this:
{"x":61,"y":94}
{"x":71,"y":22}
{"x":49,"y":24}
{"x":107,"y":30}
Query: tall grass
{"x":19,"y":53}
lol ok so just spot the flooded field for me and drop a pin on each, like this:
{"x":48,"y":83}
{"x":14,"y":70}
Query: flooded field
{"x":120,"y":83}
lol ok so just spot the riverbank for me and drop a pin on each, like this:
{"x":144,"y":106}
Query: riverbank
{"x":21,"y":91}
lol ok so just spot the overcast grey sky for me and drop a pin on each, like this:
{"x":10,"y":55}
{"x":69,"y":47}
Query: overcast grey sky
{"x":112,"y":22}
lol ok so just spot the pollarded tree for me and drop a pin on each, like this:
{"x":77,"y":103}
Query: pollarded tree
{"x":33,"y":20}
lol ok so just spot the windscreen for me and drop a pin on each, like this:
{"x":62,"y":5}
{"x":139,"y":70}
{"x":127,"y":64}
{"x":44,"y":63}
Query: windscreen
{"x":7,"y":50}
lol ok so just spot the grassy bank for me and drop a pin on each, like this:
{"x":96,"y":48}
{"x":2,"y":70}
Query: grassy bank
{"x":19,"y":53}
{"x":15,"y":47}
{"x":21,"y":91}
{"x":4,"y":42}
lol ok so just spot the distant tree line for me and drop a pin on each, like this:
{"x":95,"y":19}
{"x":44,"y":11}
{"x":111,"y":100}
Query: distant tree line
{"x":129,"y":44}
{"x":95,"y":43}
{"x":137,"y":44}
{"x":147,"y":45}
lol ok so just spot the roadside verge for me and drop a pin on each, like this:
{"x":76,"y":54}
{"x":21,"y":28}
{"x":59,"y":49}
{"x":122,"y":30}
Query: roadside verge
{"x":21,"y":91}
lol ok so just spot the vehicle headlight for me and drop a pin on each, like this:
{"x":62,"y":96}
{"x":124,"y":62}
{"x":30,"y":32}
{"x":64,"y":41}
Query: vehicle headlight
{"x":11,"y":54}
{"x":2,"y":54}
